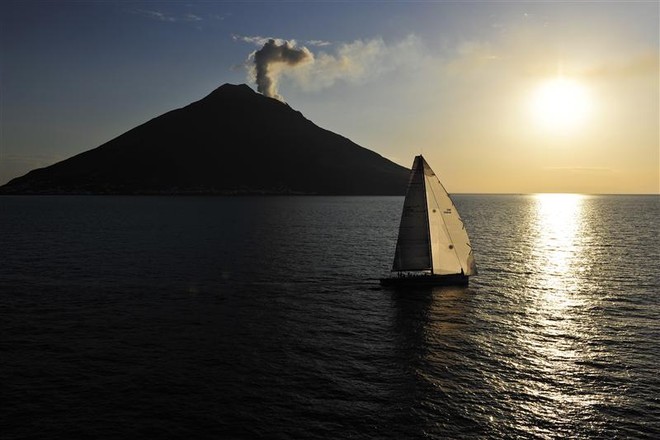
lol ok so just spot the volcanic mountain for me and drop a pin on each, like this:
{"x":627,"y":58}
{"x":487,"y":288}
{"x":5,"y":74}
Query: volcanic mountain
{"x":233,"y":141}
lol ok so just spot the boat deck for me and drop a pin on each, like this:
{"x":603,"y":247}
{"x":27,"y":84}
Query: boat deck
{"x":414,"y":280}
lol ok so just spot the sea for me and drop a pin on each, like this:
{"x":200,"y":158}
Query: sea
{"x":263,"y":318}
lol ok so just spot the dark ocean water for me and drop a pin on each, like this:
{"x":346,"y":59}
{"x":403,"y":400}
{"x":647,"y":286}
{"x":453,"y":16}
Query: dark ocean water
{"x":243,"y":318}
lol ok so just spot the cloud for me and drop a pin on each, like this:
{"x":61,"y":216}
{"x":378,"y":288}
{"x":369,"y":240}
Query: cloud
{"x":354,"y":62}
{"x":258,"y":40}
{"x":191,"y":17}
{"x":472,"y":56}
{"x":640,"y":65}
{"x":155,"y":15}
{"x":358,"y":61}
{"x":319,"y":43}
{"x":168,"y":18}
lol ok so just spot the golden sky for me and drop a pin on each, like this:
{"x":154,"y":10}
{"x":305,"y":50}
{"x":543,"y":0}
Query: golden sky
{"x":500,"y":97}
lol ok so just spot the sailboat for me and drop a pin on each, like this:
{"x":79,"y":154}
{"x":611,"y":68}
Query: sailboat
{"x":433,"y":247}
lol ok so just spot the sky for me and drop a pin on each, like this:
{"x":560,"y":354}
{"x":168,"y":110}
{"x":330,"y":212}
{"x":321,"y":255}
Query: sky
{"x":499,"y":97}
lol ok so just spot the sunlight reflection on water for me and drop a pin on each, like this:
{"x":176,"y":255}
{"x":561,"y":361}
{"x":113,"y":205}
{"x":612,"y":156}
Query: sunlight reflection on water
{"x":550,"y":348}
{"x":555,"y":337}
{"x":261,"y":317}
{"x":559,"y":225}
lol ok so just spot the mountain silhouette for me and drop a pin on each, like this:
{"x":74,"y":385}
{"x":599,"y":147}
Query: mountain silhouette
{"x":233,"y":141}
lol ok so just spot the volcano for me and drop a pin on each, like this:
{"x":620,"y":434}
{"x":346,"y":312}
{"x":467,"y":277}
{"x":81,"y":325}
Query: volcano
{"x":233,"y":141}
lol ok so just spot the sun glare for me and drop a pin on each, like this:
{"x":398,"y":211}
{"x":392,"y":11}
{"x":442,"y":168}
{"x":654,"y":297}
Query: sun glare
{"x":560,"y":104}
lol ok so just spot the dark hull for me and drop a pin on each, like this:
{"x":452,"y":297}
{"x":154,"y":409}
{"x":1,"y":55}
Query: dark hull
{"x":426,"y":280}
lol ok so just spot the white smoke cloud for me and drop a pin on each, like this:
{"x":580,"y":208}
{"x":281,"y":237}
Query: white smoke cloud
{"x":319,"y":43}
{"x":274,"y":58}
{"x":354,"y":62}
{"x":165,"y":17}
{"x":258,"y":40}
{"x":357,"y":62}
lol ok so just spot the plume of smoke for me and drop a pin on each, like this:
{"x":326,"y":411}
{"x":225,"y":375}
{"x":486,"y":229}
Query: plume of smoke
{"x":272,"y":58}
{"x":358,"y":62}
{"x":355,"y":62}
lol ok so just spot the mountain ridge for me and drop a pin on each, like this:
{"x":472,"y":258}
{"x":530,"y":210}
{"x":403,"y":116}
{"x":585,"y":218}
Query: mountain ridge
{"x":232,"y":141}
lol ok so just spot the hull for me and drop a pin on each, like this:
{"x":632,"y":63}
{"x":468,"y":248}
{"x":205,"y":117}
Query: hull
{"x":425,"y":280}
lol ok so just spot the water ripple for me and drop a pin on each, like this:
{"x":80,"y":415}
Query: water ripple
{"x":262,"y":318}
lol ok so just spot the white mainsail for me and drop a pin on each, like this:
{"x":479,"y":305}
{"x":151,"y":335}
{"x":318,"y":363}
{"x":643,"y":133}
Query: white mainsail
{"x":432,"y":235}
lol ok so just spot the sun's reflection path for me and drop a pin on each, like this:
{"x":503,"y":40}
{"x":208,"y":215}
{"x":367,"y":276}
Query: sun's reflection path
{"x":555,"y":335}
{"x":556,"y":254}
{"x":531,"y":353}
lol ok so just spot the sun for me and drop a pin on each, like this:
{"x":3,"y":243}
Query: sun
{"x":560,"y":104}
